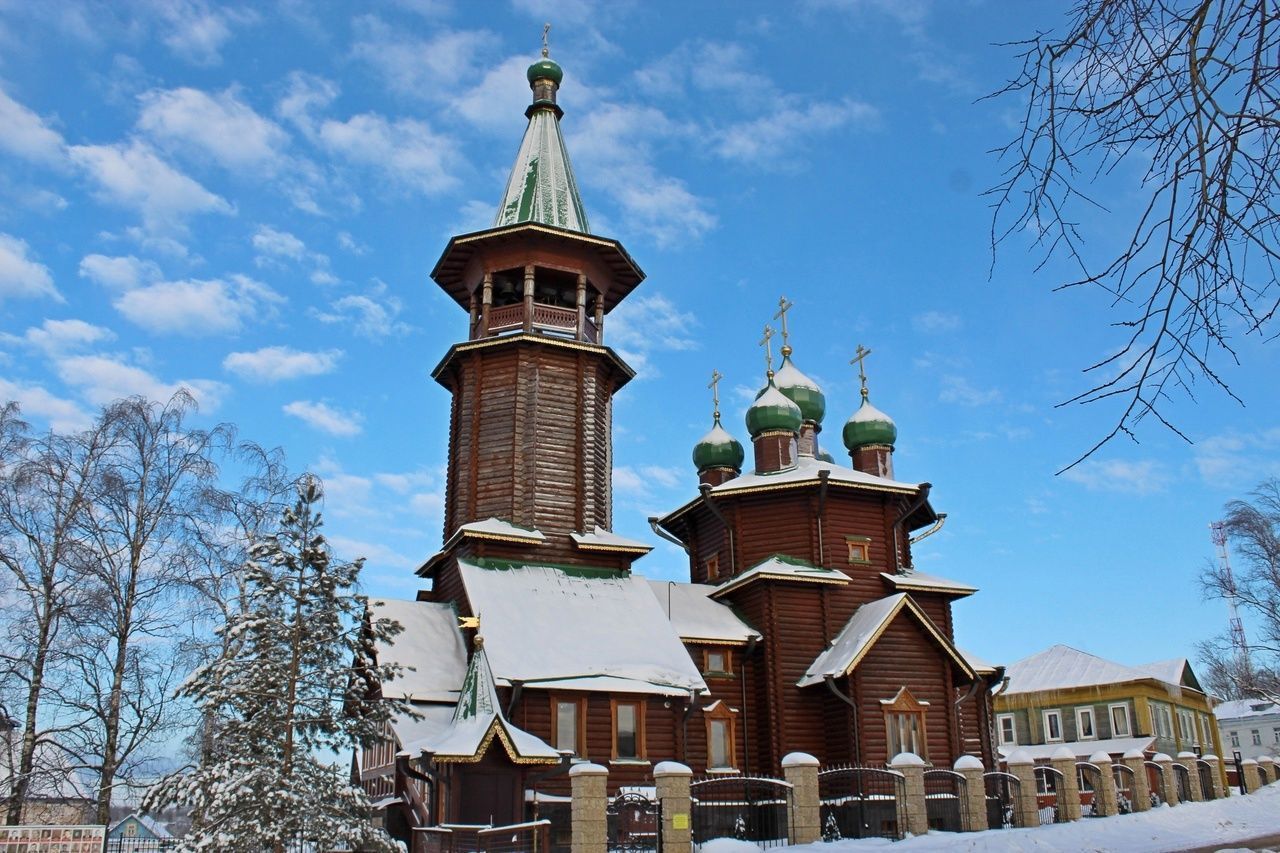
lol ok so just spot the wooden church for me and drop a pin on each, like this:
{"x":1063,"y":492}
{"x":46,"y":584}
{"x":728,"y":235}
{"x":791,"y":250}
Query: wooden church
{"x":803,"y":626}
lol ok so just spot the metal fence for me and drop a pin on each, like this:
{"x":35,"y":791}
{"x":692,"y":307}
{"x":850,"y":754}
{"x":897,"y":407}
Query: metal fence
{"x":945,"y":803}
{"x":747,"y":808}
{"x":1089,"y":778}
{"x":1048,"y":783}
{"x":861,"y":802}
{"x":140,"y":845}
{"x":1126,"y":787}
{"x":1002,"y":799}
{"x":1155,"y":782}
{"x":1182,"y":778}
{"x":634,"y":824}
{"x":558,"y":810}
{"x":1206,"y":779}
{"x":529,"y":837}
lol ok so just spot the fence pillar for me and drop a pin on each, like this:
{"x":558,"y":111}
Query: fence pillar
{"x":1025,"y":811}
{"x":911,"y":766}
{"x":1251,"y":780}
{"x":1267,"y":763}
{"x":1105,"y":802}
{"x":1190,"y":761}
{"x":975,"y":793}
{"x":672,"y":781}
{"x":590,"y":800}
{"x":1168,"y":781}
{"x":1064,"y":761}
{"x":1140,"y":793}
{"x":1218,"y":774}
{"x":805,"y":817}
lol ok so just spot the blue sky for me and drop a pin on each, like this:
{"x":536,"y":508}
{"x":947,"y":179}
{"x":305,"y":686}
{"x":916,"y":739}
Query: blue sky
{"x":247,"y":200}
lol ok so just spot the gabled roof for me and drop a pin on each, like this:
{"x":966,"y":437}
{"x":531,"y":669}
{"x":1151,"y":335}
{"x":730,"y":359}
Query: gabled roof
{"x":600,"y":539}
{"x":542,"y":188}
{"x":153,"y":826}
{"x":928,"y":583}
{"x":1061,"y":667}
{"x":478,"y":719}
{"x":430,"y":648}
{"x":1240,"y":708}
{"x":571,"y":626}
{"x":696,"y":617}
{"x":784,"y":568}
{"x":1173,"y":671}
{"x":861,"y":632}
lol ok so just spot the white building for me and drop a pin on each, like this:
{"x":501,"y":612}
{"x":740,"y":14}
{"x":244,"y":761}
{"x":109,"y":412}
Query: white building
{"x":1250,"y":727}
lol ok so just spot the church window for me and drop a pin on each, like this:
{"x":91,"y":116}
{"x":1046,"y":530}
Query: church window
{"x":904,"y":723}
{"x":1053,"y":725}
{"x":718,"y":662}
{"x":1084,"y":724}
{"x":713,"y":567}
{"x":1008,"y":731}
{"x":1119,"y":720}
{"x":721,"y":738}
{"x":859,"y":549}
{"x":628,"y":730}
{"x":568,"y":721}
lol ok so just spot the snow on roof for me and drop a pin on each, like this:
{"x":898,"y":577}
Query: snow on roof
{"x":860,"y":633}
{"x":605,"y":540}
{"x":430,"y":643}
{"x":806,"y":471}
{"x":978,"y":664}
{"x":1082,"y":749}
{"x":562,"y":624}
{"x":496,"y":528}
{"x":1240,"y":708}
{"x":695,"y":616}
{"x":433,"y":719}
{"x":1061,"y":667}
{"x":932,"y":583}
{"x":1173,"y":671}
{"x":781,"y":567}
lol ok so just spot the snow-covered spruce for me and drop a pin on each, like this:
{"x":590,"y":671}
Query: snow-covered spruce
{"x":295,"y":681}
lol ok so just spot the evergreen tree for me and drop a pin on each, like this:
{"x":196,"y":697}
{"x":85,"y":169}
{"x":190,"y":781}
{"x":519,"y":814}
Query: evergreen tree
{"x":295,"y":682}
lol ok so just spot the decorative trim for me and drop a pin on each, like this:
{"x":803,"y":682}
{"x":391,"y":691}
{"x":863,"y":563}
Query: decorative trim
{"x":929,"y":627}
{"x":743,"y":580}
{"x":495,"y":729}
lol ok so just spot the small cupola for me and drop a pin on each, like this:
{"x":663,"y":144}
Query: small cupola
{"x":870,"y":434}
{"x":717,"y":455}
{"x":773,"y":421}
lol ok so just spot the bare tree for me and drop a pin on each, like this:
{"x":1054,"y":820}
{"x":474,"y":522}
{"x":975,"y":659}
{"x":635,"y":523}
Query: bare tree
{"x":1253,"y":530}
{"x":1186,"y":92}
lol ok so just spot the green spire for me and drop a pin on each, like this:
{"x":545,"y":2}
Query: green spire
{"x":542,"y":187}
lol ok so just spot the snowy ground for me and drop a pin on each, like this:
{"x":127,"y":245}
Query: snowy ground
{"x":1191,"y":825}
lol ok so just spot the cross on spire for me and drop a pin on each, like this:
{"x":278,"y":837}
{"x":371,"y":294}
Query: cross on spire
{"x":768,"y":350}
{"x":859,"y":360}
{"x":546,"y":28}
{"x":714,"y":385}
{"x":783,"y":307}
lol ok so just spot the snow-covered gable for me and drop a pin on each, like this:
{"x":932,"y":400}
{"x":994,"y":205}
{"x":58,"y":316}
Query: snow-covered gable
{"x":1173,"y":671}
{"x":862,"y":631}
{"x":698,"y":618}
{"x":430,"y":648}
{"x":780,"y":567}
{"x":978,"y":664}
{"x":1061,"y":667}
{"x":148,"y":828}
{"x":600,"y":539}
{"x":427,"y":723}
{"x":928,"y":583}
{"x":576,"y":628}
{"x":478,"y":719}
{"x":1241,"y":708}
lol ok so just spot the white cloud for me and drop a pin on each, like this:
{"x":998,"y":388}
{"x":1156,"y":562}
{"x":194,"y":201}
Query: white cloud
{"x":58,"y":336}
{"x":195,"y":32}
{"x":641,"y":481}
{"x":62,"y":415}
{"x":325,"y":418}
{"x":28,"y":136}
{"x":351,"y":244}
{"x":279,"y":244}
{"x":306,"y":95}
{"x":1117,"y":475}
{"x":121,"y":273}
{"x":421,"y":67}
{"x":768,"y":141}
{"x":408,"y":152}
{"x":958,"y":389}
{"x":105,"y":379}
{"x":375,"y":555}
{"x":935,"y":321}
{"x":21,"y":276}
{"x":1238,"y":459}
{"x":642,"y":325}
{"x":366,"y":316}
{"x":273,"y":364}
{"x":219,"y":127}
{"x":132,"y":176}
{"x":497,"y":103}
{"x":195,"y":307}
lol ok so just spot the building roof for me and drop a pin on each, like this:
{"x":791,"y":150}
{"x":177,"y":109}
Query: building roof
{"x":862,"y":631}
{"x":432,"y":719}
{"x":1237,"y":709}
{"x":784,"y":568}
{"x":430,"y":648}
{"x":496,"y":528}
{"x":1172,"y":671}
{"x":1083,"y":748}
{"x":979,"y":665}
{"x":563,"y":626}
{"x":600,"y":539}
{"x":697,"y":617}
{"x":1061,"y":667}
{"x":542,"y":188}
{"x":928,"y":583}
{"x":153,"y":826}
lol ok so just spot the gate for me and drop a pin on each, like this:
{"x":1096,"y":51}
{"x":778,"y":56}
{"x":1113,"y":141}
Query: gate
{"x":1182,"y":778}
{"x":945,"y":803}
{"x":1125,"y":787}
{"x":1207,"y":788}
{"x":558,"y":810}
{"x":1048,"y":783}
{"x":747,"y":808}
{"x":1089,"y":778}
{"x":861,"y":802}
{"x":1155,"y":782}
{"x":634,"y":824}
{"x":1002,"y":799}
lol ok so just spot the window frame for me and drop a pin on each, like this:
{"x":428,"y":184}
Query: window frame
{"x":859,"y":544}
{"x":906,"y":708}
{"x":1235,"y":739}
{"x":1044,"y":719}
{"x":721,"y":713}
{"x":726,"y":671}
{"x":1128,"y":722}
{"x":1013,"y":729}
{"x":1257,"y":736}
{"x":641,"y":750}
{"x":1081,"y":713}
{"x":712,"y":568}
{"x":580,"y":733}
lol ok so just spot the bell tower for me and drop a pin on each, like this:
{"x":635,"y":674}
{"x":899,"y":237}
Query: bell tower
{"x":530,"y":429}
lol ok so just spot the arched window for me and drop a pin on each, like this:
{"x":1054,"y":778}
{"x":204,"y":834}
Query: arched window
{"x":904,"y":723}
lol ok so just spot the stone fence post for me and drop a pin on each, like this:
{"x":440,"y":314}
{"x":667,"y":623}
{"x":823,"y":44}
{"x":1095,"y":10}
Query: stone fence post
{"x":1251,"y":780}
{"x":590,"y":799}
{"x":1140,"y":793}
{"x":1267,"y":763}
{"x":1217,"y":771}
{"x":1168,"y":782}
{"x":975,"y":793}
{"x":1190,"y":761}
{"x":1105,"y":803}
{"x":911,"y":766}
{"x":672,"y":781}
{"x":805,"y":818}
{"x":1022,"y":766}
{"x":1064,"y":761}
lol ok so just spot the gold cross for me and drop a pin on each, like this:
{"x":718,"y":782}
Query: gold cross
{"x":546,"y":28}
{"x":859,"y":359}
{"x":783,"y":307}
{"x":714,"y":385}
{"x":768,"y":350}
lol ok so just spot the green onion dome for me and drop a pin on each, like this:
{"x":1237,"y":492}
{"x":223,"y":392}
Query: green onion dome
{"x":869,"y":426}
{"x":773,"y":410}
{"x":545,"y":69}
{"x":801,"y":390}
{"x":718,"y":449}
